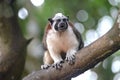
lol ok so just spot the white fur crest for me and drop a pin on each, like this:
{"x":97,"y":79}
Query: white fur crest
{"x":59,"y":16}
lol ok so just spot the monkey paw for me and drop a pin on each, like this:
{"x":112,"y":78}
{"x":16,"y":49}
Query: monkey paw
{"x":45,"y":66}
{"x":58,"y":65}
{"x":70,"y":57}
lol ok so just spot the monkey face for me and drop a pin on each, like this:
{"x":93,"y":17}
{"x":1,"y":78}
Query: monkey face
{"x":59,"y":22}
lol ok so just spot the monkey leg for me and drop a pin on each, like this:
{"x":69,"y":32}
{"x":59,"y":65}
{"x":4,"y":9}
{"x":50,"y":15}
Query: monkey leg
{"x":47,"y":60}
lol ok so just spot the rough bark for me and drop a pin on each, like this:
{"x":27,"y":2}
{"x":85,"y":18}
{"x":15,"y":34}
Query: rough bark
{"x":12,"y":43}
{"x":86,"y":58}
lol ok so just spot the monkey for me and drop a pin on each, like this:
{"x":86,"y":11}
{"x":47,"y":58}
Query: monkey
{"x":61,"y":41}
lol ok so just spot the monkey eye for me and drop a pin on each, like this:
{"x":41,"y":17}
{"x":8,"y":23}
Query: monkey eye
{"x":58,"y":20}
{"x":65,"y":19}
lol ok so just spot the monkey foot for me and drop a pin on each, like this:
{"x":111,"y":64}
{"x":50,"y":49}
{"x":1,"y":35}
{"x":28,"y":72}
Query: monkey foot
{"x":58,"y":65}
{"x":70,"y":59}
{"x":45,"y":66}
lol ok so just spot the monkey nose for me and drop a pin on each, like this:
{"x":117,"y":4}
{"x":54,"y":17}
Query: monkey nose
{"x":62,"y":25}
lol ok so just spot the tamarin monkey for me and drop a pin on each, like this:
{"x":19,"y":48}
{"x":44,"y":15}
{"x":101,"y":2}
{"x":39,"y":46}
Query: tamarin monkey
{"x":61,"y":41}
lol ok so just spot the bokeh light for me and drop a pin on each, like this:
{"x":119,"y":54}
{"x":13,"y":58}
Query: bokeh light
{"x":114,"y":12}
{"x":117,"y":77}
{"x":114,"y":2}
{"x":82,"y":15}
{"x":35,"y":48}
{"x":88,"y":75}
{"x":32,"y":29}
{"x":37,"y":2}
{"x":115,"y":65}
{"x":79,"y":27}
{"x":22,"y":13}
{"x":91,"y":35}
{"x":105,"y":63}
{"x":104,"y":25}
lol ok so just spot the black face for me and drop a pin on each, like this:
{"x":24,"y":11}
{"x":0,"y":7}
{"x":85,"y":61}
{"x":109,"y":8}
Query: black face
{"x":60,"y":24}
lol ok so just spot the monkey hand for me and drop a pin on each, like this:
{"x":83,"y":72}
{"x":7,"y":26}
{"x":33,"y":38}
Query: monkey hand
{"x":70,"y":56}
{"x":45,"y":66}
{"x":58,"y":65}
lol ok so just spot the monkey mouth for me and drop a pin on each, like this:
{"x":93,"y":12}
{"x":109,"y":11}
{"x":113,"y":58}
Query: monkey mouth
{"x":62,"y":28}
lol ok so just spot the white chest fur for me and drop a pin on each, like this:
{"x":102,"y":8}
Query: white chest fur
{"x":62,"y":41}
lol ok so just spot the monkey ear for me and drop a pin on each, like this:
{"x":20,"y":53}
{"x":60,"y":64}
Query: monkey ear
{"x":50,"y":20}
{"x":68,"y":18}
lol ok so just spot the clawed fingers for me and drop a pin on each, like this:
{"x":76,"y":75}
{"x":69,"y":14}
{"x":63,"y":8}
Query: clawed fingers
{"x":45,"y":66}
{"x":57,"y":65}
{"x":70,"y":59}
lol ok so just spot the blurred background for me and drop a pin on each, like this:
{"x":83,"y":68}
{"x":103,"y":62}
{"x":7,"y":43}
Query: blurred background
{"x":93,"y":18}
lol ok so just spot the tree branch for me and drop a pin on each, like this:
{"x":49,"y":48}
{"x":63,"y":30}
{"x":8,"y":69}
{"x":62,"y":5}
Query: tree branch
{"x":86,"y":58}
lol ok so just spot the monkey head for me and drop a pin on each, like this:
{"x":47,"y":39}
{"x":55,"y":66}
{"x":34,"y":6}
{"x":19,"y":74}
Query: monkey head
{"x":59,"y":22}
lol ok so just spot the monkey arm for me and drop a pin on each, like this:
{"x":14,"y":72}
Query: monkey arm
{"x":79,"y":38}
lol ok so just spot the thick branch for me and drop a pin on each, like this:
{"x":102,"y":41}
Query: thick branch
{"x":12,"y":43}
{"x":86,"y":58}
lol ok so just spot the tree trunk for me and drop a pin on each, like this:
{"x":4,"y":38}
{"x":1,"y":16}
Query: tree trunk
{"x":12,"y":43}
